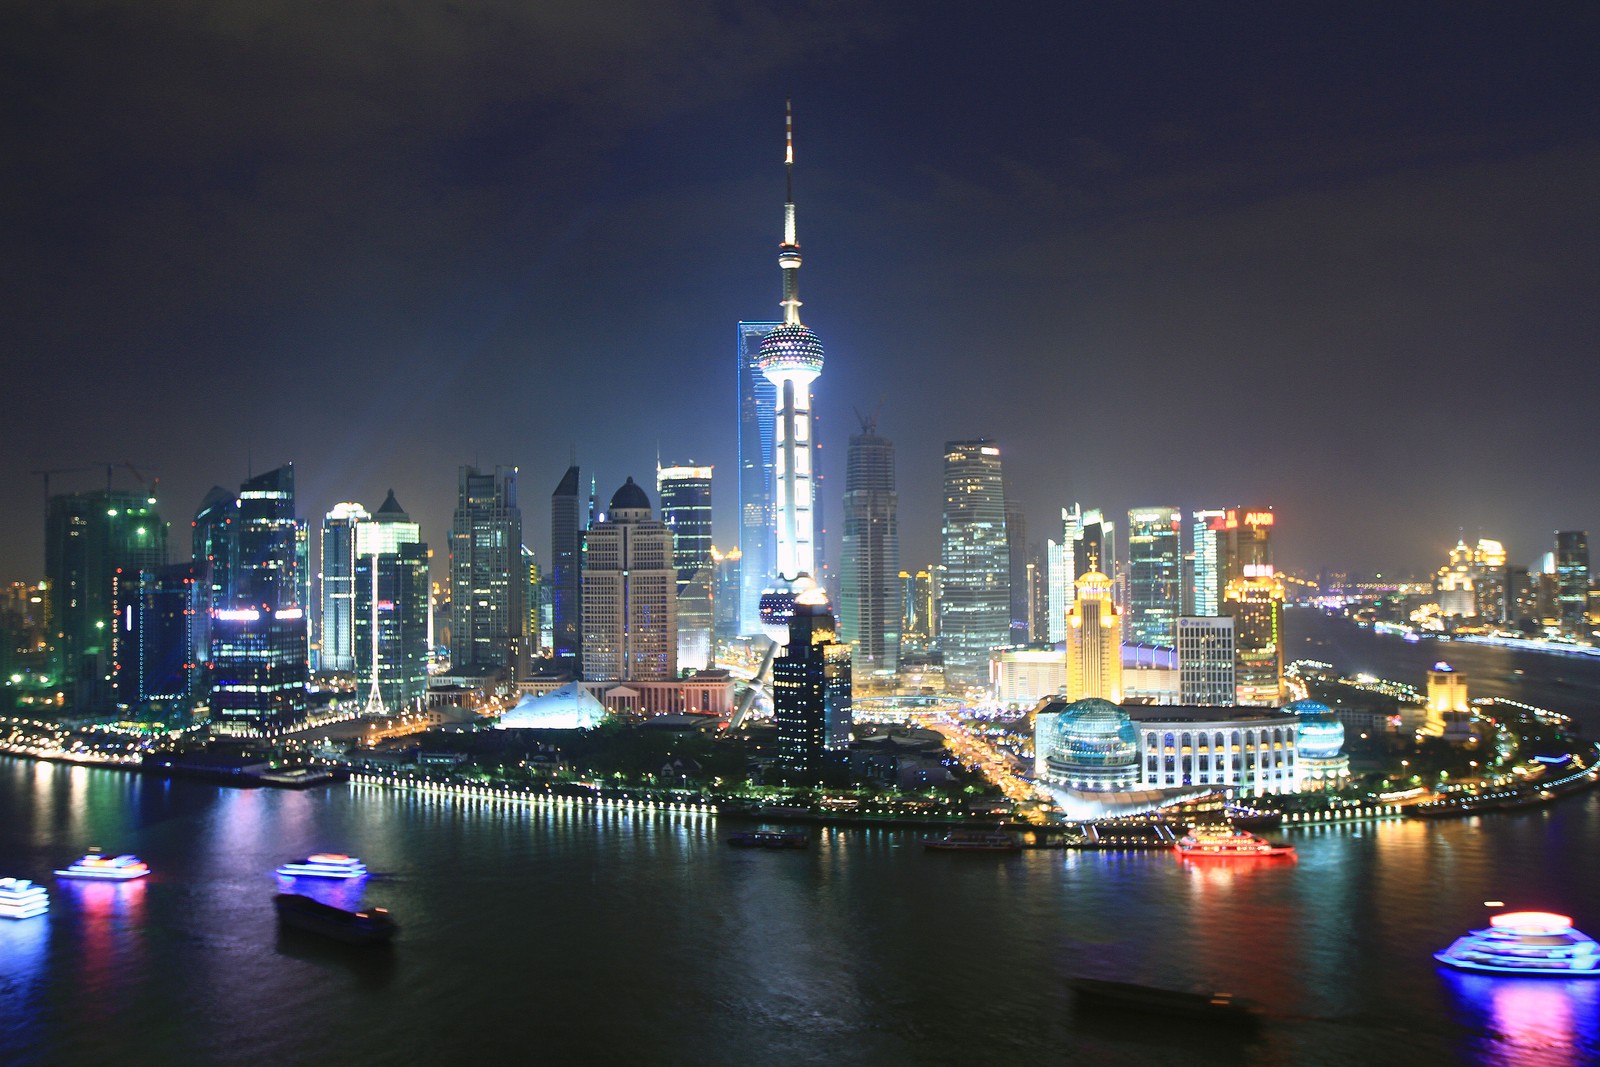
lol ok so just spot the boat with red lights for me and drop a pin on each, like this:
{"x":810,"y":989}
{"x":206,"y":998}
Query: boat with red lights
{"x":97,"y":867}
{"x":1223,"y":843}
{"x":972,"y":841}
{"x":370,"y":927}
{"x":1527,"y":943}
{"x":1206,"y":1007}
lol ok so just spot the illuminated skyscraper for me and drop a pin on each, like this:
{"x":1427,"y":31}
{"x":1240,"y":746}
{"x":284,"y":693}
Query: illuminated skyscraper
{"x":258,"y":624}
{"x":1062,"y":559}
{"x":1572,"y":579}
{"x":725,"y":601}
{"x":869,"y":604}
{"x":685,"y":494}
{"x":1094,"y":548}
{"x":566,"y":571}
{"x":790,"y":358}
{"x":90,"y":538}
{"x":1017,"y":579}
{"x":757,"y":431}
{"x":811,"y":692}
{"x":1204,"y":594}
{"x":974,"y":589}
{"x":1094,"y":641}
{"x":390,"y":618}
{"x":488,"y":582}
{"x":630,"y":594}
{"x":1252,"y":594}
{"x":1155,"y":575}
{"x":338,"y":587}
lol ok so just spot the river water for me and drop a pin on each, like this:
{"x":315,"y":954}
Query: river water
{"x":534,"y":934}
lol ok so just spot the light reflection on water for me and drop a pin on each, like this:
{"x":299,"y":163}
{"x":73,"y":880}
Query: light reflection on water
{"x":643,"y":935}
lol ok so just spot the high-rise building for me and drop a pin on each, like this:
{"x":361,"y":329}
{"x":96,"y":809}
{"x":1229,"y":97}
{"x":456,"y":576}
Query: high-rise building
{"x":158,"y":652}
{"x":974,"y":594}
{"x":790,"y":358}
{"x":1203,"y":595}
{"x":1155,"y":575}
{"x":566,"y":571}
{"x":685,"y":493}
{"x":337,"y":636}
{"x":390,"y":615}
{"x":1063,"y":571}
{"x":1094,"y":641}
{"x":1206,"y":661}
{"x":488,"y":584}
{"x":258,"y":623}
{"x":757,"y":434}
{"x":725,"y":599}
{"x":1094,"y":548}
{"x":1017,"y":577}
{"x":89,"y":538}
{"x":630,"y":594}
{"x":1038,"y":579}
{"x":1572,"y":580}
{"x":811,"y":692}
{"x":1253,"y":596}
{"x":870,"y":611}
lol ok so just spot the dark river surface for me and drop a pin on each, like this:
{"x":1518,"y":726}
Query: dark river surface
{"x":548,"y":935}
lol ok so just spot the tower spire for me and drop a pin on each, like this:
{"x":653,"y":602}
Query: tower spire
{"x":789,"y":251}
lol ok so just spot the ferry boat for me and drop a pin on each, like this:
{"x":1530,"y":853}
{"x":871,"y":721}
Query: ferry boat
{"x":22,"y":899}
{"x":770,"y":839}
{"x":972,"y":841}
{"x":1243,"y":818}
{"x":1222,"y":842}
{"x":373,"y":927}
{"x":324,"y":865}
{"x":105,"y":868}
{"x":1533,"y":943}
{"x":1207,"y":1007}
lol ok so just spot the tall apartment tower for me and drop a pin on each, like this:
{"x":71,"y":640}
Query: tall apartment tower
{"x":338,"y":587}
{"x":258,"y":620}
{"x":1094,"y":641}
{"x":869,"y":602}
{"x":757,"y":433}
{"x":488,"y":585}
{"x":630,"y":594}
{"x":566,"y":570}
{"x":390,"y":616}
{"x":974,"y":588}
{"x":685,"y":493}
{"x":1572,"y":580}
{"x":1155,"y":575}
{"x":790,"y":358}
{"x":94,"y":542}
{"x":1206,"y":661}
{"x":811,"y":691}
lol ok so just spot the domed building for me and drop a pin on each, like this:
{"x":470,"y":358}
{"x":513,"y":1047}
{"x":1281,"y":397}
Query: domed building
{"x":1319,"y":744}
{"x":630,"y":594}
{"x":1090,"y":744}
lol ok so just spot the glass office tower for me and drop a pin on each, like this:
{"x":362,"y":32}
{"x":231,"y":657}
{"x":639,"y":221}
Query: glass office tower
{"x":974,"y":591}
{"x":1155,"y":576}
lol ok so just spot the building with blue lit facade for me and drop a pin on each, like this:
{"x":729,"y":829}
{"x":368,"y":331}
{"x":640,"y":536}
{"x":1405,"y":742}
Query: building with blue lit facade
{"x":758,"y":406}
{"x":1320,"y":746}
{"x":1155,"y":576}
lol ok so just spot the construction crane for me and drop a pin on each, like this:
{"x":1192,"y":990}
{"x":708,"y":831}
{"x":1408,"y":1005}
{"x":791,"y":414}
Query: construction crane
{"x":45,"y":474}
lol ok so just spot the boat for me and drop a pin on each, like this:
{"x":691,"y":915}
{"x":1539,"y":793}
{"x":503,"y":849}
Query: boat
{"x":372,"y":927}
{"x":324,"y":865}
{"x":22,"y":899}
{"x":1222,"y":842}
{"x":1531,"y":943}
{"x":103,"y":868}
{"x":972,"y":841}
{"x":770,"y":839}
{"x":1209,"y":1007}
{"x":1242,"y":818}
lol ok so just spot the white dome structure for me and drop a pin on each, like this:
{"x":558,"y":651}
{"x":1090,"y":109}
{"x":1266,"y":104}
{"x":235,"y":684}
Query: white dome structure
{"x":572,"y":707}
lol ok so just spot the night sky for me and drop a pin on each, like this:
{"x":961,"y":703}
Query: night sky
{"x":1342,"y":259}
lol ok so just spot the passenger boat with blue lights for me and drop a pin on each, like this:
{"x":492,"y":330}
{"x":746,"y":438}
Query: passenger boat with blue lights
{"x":325,"y":865}
{"x":972,"y":841}
{"x":101,"y":868}
{"x":372,"y":927}
{"x":1527,"y":943}
{"x":22,"y":899}
{"x":778,"y":839}
{"x":1224,"y":843}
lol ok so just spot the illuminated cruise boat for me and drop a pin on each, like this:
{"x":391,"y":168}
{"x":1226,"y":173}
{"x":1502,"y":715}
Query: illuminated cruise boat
{"x":1538,"y":943}
{"x":105,"y":868}
{"x":1222,"y":842}
{"x":325,"y":865}
{"x":21,"y":899}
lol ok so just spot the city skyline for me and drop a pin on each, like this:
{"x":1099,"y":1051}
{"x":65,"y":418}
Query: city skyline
{"x":1334,"y":253}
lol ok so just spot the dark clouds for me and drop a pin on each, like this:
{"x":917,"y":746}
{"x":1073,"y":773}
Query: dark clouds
{"x":1341,"y":259}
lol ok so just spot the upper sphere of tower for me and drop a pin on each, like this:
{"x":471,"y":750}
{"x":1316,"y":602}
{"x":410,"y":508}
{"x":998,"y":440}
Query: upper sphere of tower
{"x":791,"y":347}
